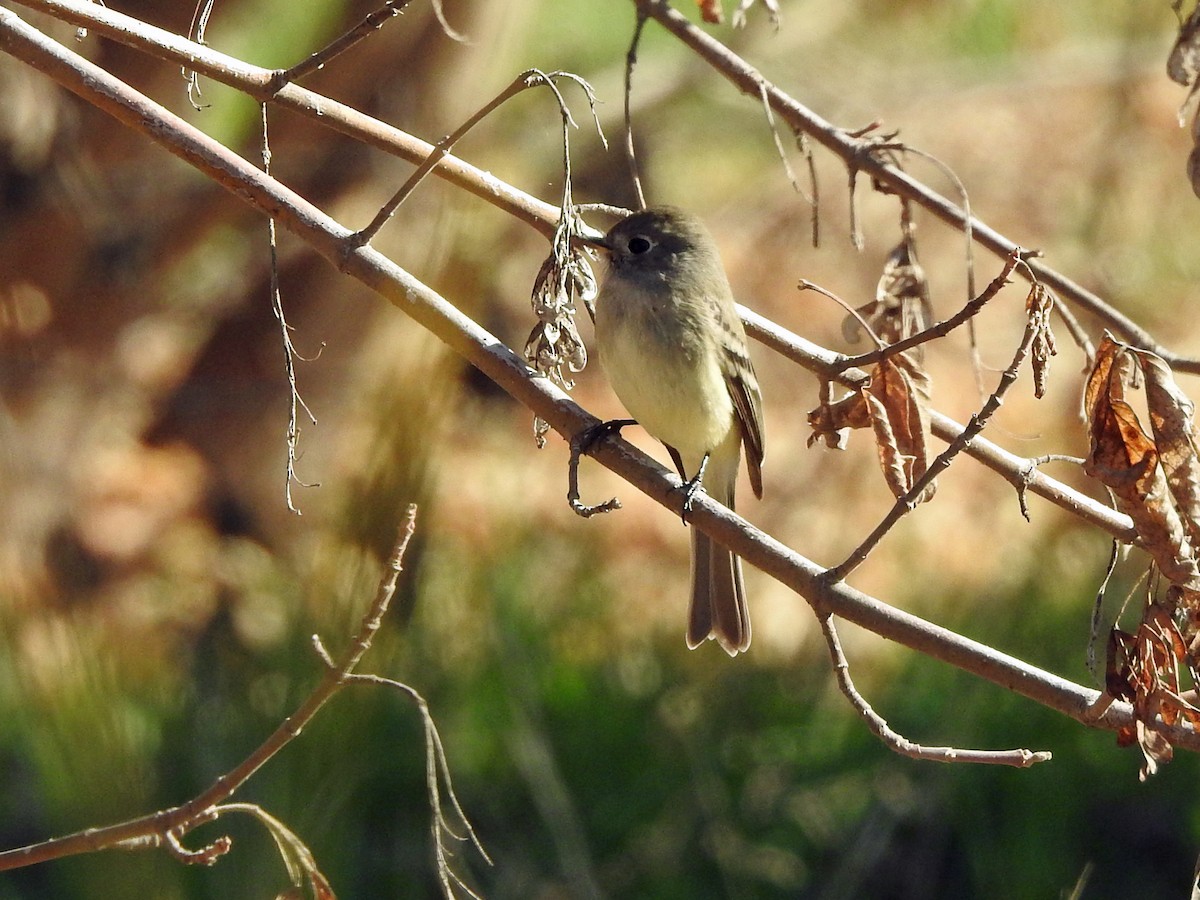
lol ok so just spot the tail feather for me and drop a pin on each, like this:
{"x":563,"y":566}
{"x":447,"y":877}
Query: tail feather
{"x":718,"y":607}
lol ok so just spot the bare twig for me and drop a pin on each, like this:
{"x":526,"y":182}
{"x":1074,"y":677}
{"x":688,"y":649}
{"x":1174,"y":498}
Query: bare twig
{"x":968,"y":220}
{"x":880,"y":343}
{"x":524,"y":81}
{"x":1020,"y":758}
{"x":805,"y":148}
{"x":371,"y":23}
{"x":296,"y":402}
{"x":171,"y":825}
{"x":787,"y":165}
{"x":630,"y":65}
{"x":1023,"y":487}
{"x":941,"y":329}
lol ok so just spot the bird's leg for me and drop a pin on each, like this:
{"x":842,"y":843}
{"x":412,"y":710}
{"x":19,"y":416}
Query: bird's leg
{"x":691,"y":486}
{"x":582,"y":443}
{"x":585,"y":440}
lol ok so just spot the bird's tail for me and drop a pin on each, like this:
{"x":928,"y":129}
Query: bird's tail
{"x":718,"y":597}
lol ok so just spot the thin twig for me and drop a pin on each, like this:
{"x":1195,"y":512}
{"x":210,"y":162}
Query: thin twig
{"x":524,"y":81}
{"x":880,"y":344}
{"x":177,"y":821}
{"x":1020,"y":758}
{"x":1028,"y":473}
{"x":373,"y":21}
{"x":940,"y":329}
{"x":787,"y":165}
{"x":295,"y":401}
{"x":805,"y":148}
{"x":630,"y":64}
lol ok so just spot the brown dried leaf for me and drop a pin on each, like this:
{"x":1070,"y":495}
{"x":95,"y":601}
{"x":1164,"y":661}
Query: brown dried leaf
{"x":1156,"y":749}
{"x":898,"y":402}
{"x":830,"y":422}
{"x":1172,"y":421}
{"x":1184,"y":605}
{"x":1039,"y":306}
{"x":710,"y":11}
{"x":1126,"y":459}
{"x":1184,"y":62}
{"x":894,"y":403}
{"x":901,"y":307}
{"x":1144,"y":669}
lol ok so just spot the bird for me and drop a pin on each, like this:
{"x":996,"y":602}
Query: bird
{"x":674,"y":350}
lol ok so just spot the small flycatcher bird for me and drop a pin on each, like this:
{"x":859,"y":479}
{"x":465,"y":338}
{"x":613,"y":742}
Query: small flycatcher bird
{"x":674,"y":350}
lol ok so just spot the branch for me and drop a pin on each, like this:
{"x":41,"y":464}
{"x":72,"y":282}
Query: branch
{"x":1021,"y":759}
{"x":856,"y":153}
{"x":940,"y":329}
{"x":259,"y":83}
{"x":171,"y":824}
{"x":367,"y":26}
{"x":495,"y":360}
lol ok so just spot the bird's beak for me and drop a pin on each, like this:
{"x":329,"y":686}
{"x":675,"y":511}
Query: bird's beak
{"x":600,"y":243}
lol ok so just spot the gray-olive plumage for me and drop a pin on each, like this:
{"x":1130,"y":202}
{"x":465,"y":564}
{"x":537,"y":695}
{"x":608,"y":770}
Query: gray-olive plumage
{"x":674,"y":349}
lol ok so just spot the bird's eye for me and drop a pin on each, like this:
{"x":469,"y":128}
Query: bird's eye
{"x":639,"y":245}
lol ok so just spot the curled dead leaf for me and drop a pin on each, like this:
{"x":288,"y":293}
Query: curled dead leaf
{"x":1038,"y":306}
{"x":1183,"y":64}
{"x":1172,"y":420}
{"x":1127,"y":460}
{"x":1144,"y":669}
{"x":894,"y":403}
{"x":901,"y":307}
{"x":710,"y":11}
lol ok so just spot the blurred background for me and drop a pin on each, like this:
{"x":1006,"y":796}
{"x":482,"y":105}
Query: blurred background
{"x":157,"y":597}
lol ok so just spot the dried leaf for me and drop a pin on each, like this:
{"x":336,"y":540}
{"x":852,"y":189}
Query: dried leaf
{"x":710,"y":11}
{"x":1172,"y":420}
{"x":1039,"y":305}
{"x":898,"y":400}
{"x":831,"y":422}
{"x":901,"y":307}
{"x":1143,"y":669}
{"x":554,"y":347}
{"x":1126,"y":459}
{"x":297,"y":858}
{"x":894,"y":403}
{"x":1183,"y":64}
{"x":739,"y":14}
